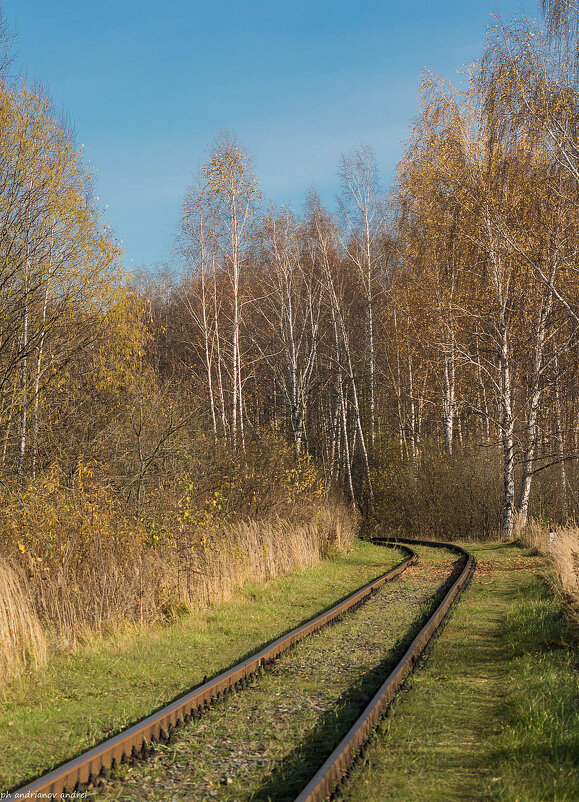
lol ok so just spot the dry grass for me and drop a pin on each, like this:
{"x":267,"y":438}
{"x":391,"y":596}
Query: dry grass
{"x":255,"y":551}
{"x":22,"y":641}
{"x":532,"y":535}
{"x":76,"y":562}
{"x":564,"y":555}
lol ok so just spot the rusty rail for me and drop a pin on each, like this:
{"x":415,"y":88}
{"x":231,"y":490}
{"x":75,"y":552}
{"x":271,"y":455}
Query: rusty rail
{"x":327,"y":778}
{"x":134,"y":741}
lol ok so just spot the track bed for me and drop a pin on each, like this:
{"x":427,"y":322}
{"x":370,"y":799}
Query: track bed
{"x":266,"y":742}
{"x":292,"y":731}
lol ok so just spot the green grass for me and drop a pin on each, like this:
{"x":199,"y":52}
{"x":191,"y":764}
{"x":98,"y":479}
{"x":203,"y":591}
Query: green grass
{"x":79,"y":699}
{"x":493,"y":714}
{"x":266,"y":742}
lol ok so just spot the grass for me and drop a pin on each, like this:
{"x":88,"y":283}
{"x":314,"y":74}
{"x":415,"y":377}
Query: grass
{"x":76,"y":700}
{"x":565,"y":556}
{"x":22,"y":641}
{"x":266,"y":742}
{"x":493,"y":715}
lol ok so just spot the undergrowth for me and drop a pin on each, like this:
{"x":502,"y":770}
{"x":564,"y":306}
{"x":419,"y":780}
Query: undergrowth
{"x":76,"y":561}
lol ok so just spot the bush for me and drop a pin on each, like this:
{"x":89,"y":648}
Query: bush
{"x":445,"y":497}
{"x":89,"y":564}
{"x":82,"y":556}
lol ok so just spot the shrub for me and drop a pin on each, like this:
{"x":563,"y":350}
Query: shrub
{"x":444,"y":497}
{"x":82,"y":557}
{"x":89,"y":565}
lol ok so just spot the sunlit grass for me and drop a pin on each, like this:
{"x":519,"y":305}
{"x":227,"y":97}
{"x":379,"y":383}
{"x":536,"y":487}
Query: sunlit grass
{"x":78,"y":699}
{"x":22,"y":642}
{"x":493,"y":714}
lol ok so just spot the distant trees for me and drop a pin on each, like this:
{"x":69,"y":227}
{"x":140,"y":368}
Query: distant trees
{"x":444,"y":315}
{"x":267,"y":303}
{"x":364,"y":210}
{"x":286,"y":317}
{"x":217,"y":220}
{"x":408,"y":330}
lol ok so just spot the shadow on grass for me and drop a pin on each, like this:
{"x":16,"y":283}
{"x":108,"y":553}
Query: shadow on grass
{"x":292,"y":774}
{"x":507,"y":544}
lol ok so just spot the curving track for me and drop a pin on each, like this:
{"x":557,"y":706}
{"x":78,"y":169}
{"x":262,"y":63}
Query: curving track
{"x":336,"y":766}
{"x":135,"y":741}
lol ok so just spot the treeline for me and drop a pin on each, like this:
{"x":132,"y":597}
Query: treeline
{"x":421,"y":345}
{"x":417,"y":344}
{"x":115,"y":506}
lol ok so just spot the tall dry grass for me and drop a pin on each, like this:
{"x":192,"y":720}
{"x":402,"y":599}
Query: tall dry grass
{"x":562,"y":548}
{"x":77,"y":565}
{"x":255,"y":551}
{"x":532,"y":534}
{"x":22,"y":641}
{"x":565,"y":555}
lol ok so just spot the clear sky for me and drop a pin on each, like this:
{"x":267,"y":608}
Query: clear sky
{"x":147,"y":85}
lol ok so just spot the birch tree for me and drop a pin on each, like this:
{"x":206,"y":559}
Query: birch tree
{"x":231,"y":194}
{"x":288,"y":314}
{"x":364,"y":212}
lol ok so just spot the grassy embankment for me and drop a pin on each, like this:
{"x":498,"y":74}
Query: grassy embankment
{"x":494,"y":715}
{"x":76,"y":700}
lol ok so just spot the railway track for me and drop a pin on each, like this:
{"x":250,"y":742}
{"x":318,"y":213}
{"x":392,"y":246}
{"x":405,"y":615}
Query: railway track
{"x":136,"y":742}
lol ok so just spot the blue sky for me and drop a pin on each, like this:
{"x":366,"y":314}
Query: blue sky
{"x":148,"y":84}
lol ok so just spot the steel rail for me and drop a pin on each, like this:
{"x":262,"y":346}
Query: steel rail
{"x":132,"y":742}
{"x":334,"y":769}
